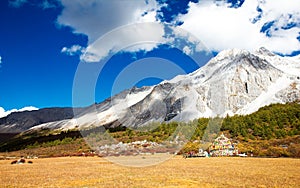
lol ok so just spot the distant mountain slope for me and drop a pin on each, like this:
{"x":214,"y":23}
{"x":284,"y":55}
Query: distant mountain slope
{"x":21,"y":121}
{"x":234,"y":82}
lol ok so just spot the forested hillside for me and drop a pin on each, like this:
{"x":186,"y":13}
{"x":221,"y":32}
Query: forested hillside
{"x":271,"y":131}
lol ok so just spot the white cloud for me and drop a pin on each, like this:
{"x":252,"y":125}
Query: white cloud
{"x":45,"y":4}
{"x":48,"y":5}
{"x":220,"y":27}
{"x":17,"y":3}
{"x":130,"y":38}
{"x":4,"y":113}
{"x":101,"y":19}
{"x":0,"y":60}
{"x":216,"y":25}
{"x":94,"y":18}
{"x":187,"y":50}
{"x":73,"y":50}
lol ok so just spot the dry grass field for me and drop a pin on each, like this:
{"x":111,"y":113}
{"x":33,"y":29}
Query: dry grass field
{"x":176,"y":172}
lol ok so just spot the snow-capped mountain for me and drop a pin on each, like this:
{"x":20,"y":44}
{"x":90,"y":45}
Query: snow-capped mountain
{"x":234,"y":82}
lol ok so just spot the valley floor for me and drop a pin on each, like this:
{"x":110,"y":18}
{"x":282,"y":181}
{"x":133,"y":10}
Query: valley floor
{"x":175,"y":172}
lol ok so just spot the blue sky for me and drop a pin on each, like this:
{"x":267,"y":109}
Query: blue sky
{"x":33,"y":71}
{"x":43,"y":42}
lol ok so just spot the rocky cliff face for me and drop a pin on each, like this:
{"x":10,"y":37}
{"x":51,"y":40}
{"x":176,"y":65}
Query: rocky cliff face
{"x":234,"y":82}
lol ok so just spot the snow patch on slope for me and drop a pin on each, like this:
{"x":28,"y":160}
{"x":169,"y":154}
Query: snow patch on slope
{"x":134,"y":98}
{"x":268,"y":97}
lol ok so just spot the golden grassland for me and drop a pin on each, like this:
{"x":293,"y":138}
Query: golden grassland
{"x":175,"y":172}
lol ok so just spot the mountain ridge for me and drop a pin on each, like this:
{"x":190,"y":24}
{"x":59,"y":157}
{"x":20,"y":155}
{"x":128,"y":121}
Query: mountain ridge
{"x":234,"y":82}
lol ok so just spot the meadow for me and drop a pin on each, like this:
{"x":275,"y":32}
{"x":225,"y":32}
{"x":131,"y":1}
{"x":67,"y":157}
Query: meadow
{"x":175,"y":172}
